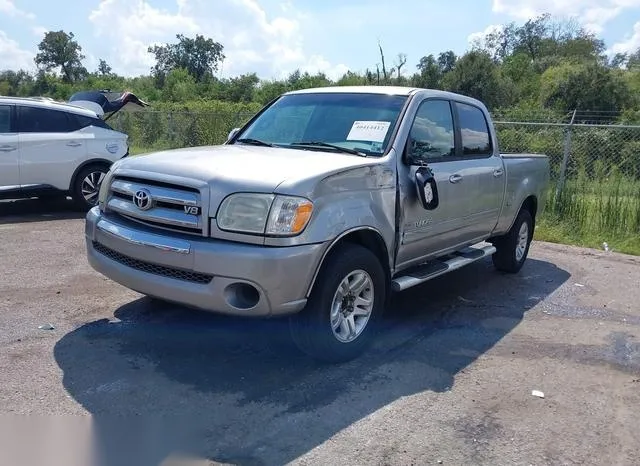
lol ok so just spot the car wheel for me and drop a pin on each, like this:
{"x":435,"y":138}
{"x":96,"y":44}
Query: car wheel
{"x":344,"y":307}
{"x":87,"y":185}
{"x":512,"y":249}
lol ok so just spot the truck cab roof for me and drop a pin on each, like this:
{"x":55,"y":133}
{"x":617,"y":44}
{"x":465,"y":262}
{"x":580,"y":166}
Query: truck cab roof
{"x":388,"y":90}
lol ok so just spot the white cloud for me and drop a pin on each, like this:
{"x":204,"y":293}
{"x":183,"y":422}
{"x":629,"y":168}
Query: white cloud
{"x":12,"y":56}
{"x":131,"y":27}
{"x":9,"y":8}
{"x":254,"y":39}
{"x":630,"y":45}
{"x":593,"y":14}
{"x":478,"y":37}
{"x":39,"y":31}
{"x":316,"y":64}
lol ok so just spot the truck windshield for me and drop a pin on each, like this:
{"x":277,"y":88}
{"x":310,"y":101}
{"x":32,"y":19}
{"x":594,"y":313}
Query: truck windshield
{"x":358,"y":122}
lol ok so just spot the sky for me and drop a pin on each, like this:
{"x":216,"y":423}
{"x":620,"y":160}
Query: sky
{"x":276,"y":37}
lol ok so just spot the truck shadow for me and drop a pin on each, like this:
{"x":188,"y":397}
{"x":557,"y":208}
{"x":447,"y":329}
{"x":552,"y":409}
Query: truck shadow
{"x":164,"y":381}
{"x":38,"y":210}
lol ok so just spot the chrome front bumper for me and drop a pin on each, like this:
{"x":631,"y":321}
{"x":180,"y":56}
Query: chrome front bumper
{"x":209,"y":274}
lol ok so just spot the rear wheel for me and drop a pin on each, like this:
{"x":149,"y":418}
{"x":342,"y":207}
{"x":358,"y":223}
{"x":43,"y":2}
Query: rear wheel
{"x":87,"y":185}
{"x":345,"y":305}
{"x":512,"y":249}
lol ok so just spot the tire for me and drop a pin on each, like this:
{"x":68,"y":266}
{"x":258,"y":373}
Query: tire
{"x":86,"y":185}
{"x":312,"y":329}
{"x":512,"y":249}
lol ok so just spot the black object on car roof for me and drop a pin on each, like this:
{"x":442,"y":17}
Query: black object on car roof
{"x":107,"y":103}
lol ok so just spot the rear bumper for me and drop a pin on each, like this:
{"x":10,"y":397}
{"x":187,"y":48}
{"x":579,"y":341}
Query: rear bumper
{"x":213,"y":275}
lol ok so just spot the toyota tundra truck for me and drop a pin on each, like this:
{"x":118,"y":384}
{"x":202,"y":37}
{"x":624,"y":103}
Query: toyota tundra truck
{"x":323,"y":204}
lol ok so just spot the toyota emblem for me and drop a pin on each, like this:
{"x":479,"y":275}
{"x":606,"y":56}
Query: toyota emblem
{"x":142,"y":199}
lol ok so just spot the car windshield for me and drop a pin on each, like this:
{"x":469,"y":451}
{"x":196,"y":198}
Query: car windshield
{"x":354,"y":122}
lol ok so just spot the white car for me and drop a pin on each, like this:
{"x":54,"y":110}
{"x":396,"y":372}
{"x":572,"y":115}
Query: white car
{"x":50,"y":148}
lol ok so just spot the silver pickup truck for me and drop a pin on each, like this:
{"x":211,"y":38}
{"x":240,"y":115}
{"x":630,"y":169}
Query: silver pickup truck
{"x":322,"y":205}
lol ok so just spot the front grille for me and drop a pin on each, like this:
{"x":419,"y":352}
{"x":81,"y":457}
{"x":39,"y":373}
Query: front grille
{"x":148,"y":267}
{"x":170,"y":207}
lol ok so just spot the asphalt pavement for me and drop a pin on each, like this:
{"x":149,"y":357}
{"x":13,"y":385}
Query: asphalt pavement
{"x":88,"y":367}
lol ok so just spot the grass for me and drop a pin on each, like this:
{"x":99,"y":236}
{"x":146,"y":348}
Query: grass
{"x":589,"y":213}
{"x":137,"y":150}
{"x":554,"y":231}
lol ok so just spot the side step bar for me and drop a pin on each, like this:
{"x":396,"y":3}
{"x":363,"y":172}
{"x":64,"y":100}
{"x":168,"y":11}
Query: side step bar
{"x":435,"y":268}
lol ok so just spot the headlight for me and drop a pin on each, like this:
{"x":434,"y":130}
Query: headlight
{"x":264,"y":214}
{"x":245,"y":213}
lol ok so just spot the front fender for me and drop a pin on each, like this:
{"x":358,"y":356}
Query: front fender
{"x":359,"y":198}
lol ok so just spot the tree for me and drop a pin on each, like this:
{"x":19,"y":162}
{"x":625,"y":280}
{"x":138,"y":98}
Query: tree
{"x":199,"y":56}
{"x":179,"y":86}
{"x":499,"y":43}
{"x":58,"y":50}
{"x":241,"y":88}
{"x":633,"y":61}
{"x":104,"y":69}
{"x":401,"y":61}
{"x":14,"y":83}
{"x":584,"y":87}
{"x":446,"y":61}
{"x":354,"y":79}
{"x":430,"y":73}
{"x":619,"y":60}
{"x":476,"y":75}
{"x":385,"y":74}
{"x":531,"y":35}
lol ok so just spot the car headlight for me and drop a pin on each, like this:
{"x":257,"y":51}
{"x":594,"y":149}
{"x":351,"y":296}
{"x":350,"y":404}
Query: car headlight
{"x":266,"y":214}
{"x":245,"y":213}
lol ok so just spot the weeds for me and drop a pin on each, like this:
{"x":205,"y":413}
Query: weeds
{"x":588,"y":212}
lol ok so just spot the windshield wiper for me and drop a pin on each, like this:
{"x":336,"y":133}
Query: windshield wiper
{"x":255,"y":142}
{"x":332,"y":146}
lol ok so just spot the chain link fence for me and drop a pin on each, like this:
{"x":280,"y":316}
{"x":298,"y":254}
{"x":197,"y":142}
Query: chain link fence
{"x":156,"y":130}
{"x":595,"y":173}
{"x":592,"y":151}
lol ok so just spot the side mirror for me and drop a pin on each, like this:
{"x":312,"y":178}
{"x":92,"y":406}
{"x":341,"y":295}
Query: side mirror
{"x":427,"y":188}
{"x":233,"y":132}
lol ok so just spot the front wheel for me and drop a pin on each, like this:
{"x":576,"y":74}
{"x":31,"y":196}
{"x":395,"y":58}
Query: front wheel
{"x":512,"y":248}
{"x":87,"y":185}
{"x":345,"y":305}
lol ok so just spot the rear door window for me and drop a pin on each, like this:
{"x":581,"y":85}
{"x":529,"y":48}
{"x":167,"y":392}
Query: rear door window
{"x":474,"y":129}
{"x":43,"y":120}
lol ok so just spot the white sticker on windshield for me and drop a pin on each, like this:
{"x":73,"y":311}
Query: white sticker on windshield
{"x":372,"y":131}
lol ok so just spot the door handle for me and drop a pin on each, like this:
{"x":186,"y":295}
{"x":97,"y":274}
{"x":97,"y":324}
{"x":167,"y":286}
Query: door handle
{"x":74,"y":144}
{"x":455,"y":178}
{"x":7,"y":148}
{"x":498,"y":172}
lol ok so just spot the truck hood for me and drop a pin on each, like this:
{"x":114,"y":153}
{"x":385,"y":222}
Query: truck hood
{"x":232,"y":168}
